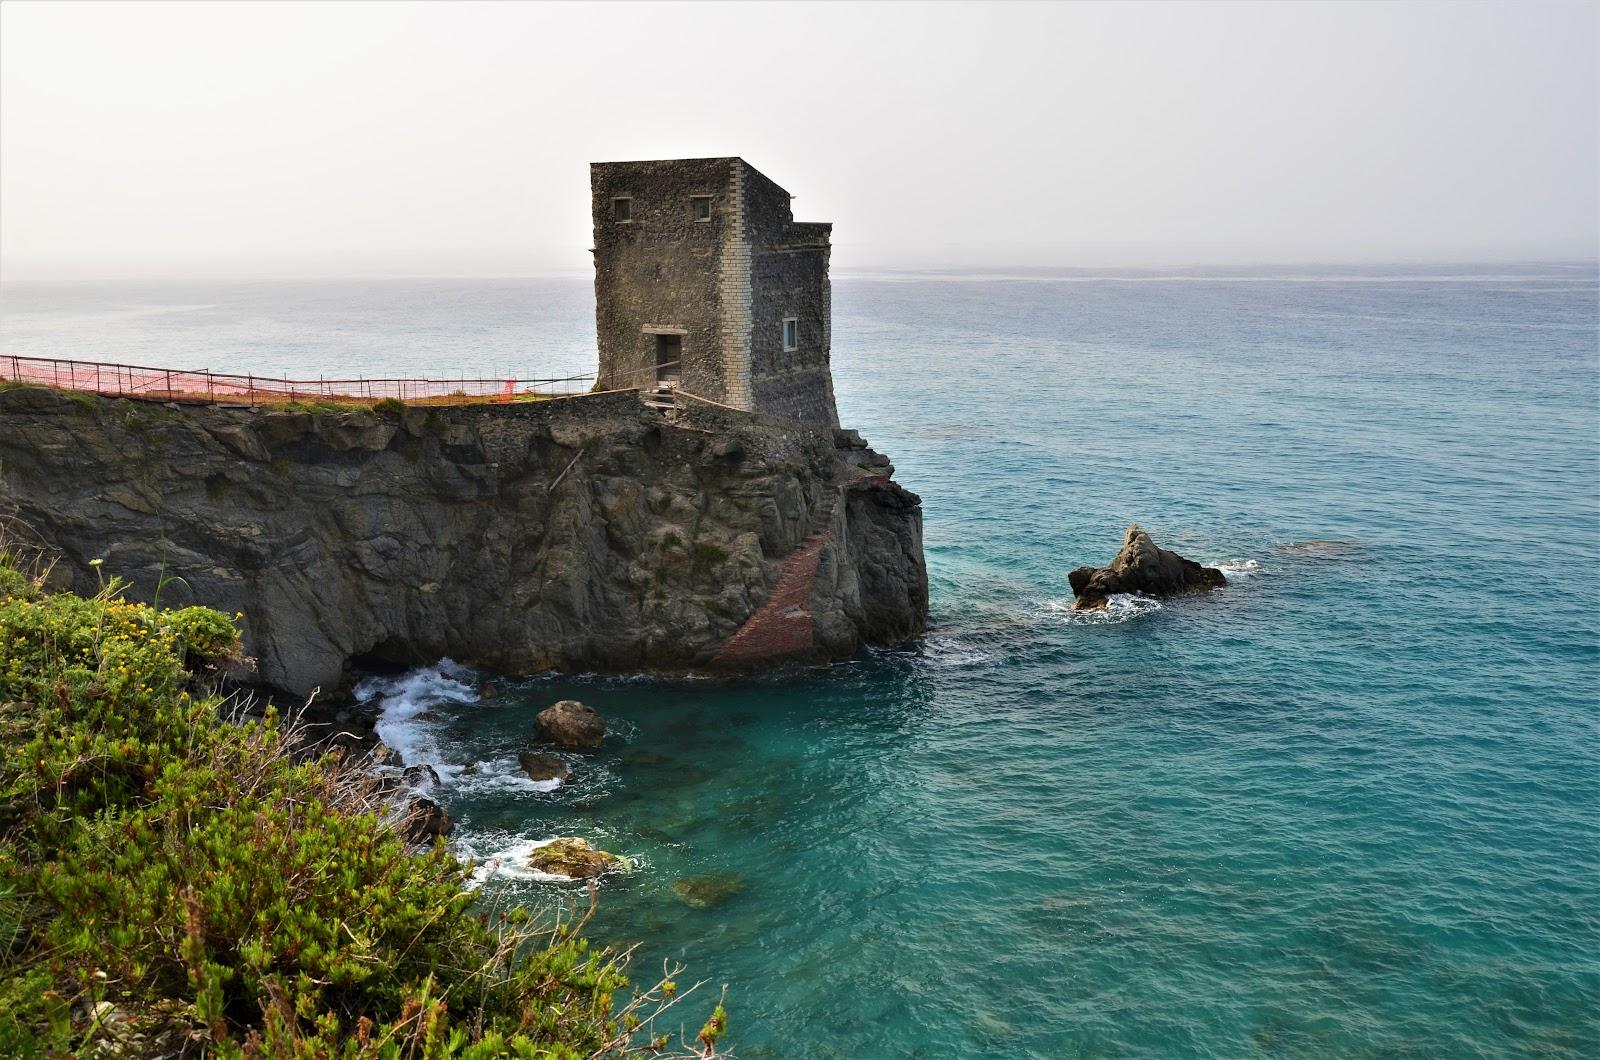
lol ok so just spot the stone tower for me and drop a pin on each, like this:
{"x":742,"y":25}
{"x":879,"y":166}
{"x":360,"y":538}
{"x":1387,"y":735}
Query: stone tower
{"x":704,"y":280}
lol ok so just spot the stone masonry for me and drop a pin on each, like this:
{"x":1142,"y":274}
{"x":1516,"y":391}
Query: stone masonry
{"x":704,"y":280}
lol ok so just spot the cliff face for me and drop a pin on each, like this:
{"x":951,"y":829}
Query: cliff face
{"x":578,"y":534}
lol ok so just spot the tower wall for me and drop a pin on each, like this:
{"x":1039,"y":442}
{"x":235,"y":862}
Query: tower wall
{"x":789,"y":280}
{"x":728,"y":282}
{"x":661,"y":268}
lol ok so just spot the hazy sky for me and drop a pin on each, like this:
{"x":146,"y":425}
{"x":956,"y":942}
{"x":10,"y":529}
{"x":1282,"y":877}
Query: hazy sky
{"x":454,"y":138}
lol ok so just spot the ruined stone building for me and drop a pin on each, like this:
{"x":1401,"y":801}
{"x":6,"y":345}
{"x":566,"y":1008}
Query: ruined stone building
{"x":704,"y":281}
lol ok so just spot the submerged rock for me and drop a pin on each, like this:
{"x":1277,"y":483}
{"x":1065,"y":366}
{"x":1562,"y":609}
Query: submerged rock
{"x":573,"y":858}
{"x":571,"y":724}
{"x":1323,"y":549}
{"x":703,"y":892}
{"x":542,"y":767}
{"x":645,"y":758}
{"x":1141,"y":567}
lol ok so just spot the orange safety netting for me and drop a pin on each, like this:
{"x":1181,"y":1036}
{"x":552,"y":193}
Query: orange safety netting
{"x":162,"y":384}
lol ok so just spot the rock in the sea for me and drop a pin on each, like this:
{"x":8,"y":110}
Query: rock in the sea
{"x":424,"y":820}
{"x":703,"y":892}
{"x":423,"y":777}
{"x":542,"y":767}
{"x":1141,"y":567}
{"x":573,"y":858}
{"x":571,"y":724}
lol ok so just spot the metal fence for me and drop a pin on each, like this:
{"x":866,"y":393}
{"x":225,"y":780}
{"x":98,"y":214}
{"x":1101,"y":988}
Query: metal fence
{"x":172,"y":384}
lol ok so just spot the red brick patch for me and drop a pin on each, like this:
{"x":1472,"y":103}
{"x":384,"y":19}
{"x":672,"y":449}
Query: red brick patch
{"x":780,"y":627}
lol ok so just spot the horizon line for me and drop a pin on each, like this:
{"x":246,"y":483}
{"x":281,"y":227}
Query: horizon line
{"x":1198,"y":270}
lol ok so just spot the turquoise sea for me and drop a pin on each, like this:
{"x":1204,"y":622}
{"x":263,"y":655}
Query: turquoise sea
{"x":1348,"y":806}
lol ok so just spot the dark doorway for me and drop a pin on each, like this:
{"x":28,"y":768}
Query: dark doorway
{"x":669,"y":358}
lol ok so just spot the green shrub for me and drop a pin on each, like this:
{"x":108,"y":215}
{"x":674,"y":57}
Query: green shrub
{"x":12,"y":581}
{"x":389,"y":407}
{"x":206,"y":637}
{"x":171,"y":883}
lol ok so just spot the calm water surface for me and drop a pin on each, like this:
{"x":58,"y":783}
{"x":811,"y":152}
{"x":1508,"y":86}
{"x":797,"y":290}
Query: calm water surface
{"x":1349,"y":805}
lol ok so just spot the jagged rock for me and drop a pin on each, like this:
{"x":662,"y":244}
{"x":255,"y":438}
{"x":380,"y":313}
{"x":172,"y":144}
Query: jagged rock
{"x":870,"y":461}
{"x":1141,"y":567}
{"x":423,"y":777}
{"x":345,"y":536}
{"x":424,"y":820}
{"x":571,"y":724}
{"x":703,"y":892}
{"x":844,"y":438}
{"x":384,"y":755}
{"x":573,"y":858}
{"x":542,"y":767}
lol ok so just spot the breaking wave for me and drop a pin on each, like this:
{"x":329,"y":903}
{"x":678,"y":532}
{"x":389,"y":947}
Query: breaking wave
{"x":409,"y":723}
{"x":1120,"y":607}
{"x":504,"y":856}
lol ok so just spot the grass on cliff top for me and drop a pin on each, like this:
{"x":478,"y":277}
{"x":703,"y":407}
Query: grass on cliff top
{"x":382,"y":406}
{"x":175,"y":884}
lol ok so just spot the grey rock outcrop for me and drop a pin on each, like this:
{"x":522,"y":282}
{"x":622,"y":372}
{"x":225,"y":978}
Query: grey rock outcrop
{"x":578,"y":534}
{"x":1141,"y":567}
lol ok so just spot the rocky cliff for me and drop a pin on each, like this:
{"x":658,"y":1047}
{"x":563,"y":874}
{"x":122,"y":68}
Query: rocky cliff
{"x":584,"y":533}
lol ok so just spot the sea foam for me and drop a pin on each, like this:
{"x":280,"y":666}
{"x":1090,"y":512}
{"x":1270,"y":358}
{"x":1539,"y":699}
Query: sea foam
{"x":409,"y":722}
{"x":504,"y":856}
{"x":405,"y":705}
{"x":1120,"y":607}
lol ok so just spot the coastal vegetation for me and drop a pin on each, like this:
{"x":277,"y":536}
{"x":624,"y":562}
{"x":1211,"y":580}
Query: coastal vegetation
{"x":178,"y":877}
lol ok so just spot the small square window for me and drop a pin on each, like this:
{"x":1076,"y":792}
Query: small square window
{"x":702,"y":207}
{"x":622,"y":209}
{"x":791,"y":340}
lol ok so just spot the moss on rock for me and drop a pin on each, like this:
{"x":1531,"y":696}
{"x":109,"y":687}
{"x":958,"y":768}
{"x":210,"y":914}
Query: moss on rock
{"x":574,"y":858}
